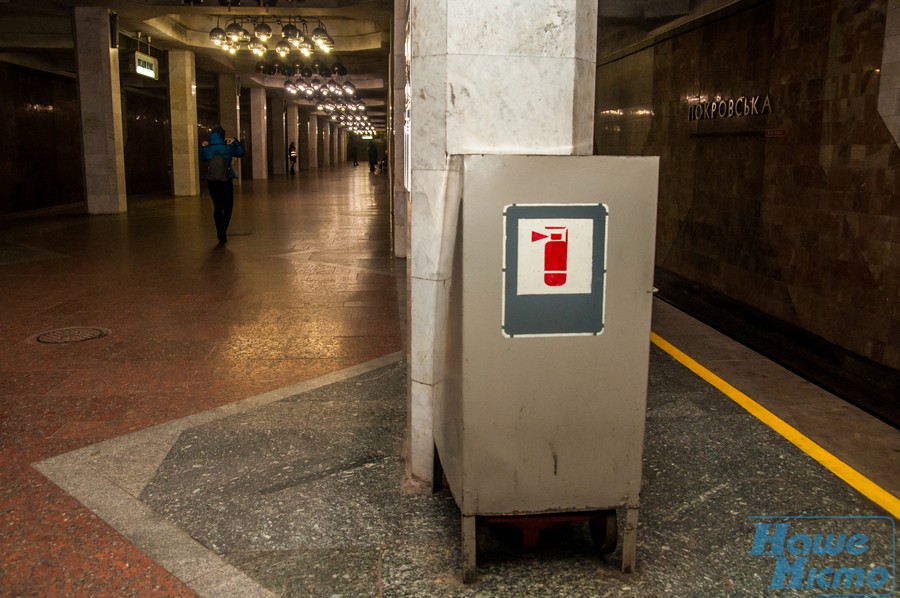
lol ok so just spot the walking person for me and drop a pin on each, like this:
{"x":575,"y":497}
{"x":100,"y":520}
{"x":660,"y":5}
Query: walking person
{"x":217,"y":152}
{"x":292,"y":156}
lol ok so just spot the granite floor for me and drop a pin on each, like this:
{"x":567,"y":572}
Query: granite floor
{"x":239,"y":431}
{"x":302,"y":493}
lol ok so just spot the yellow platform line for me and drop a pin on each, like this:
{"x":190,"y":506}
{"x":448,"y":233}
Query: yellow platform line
{"x":856,"y":480}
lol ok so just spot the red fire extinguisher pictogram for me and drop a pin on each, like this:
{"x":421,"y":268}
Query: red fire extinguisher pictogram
{"x":556,"y":253}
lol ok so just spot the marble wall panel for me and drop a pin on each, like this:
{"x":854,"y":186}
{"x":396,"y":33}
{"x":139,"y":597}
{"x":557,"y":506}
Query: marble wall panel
{"x":399,"y":137}
{"x":228,"y":102}
{"x":421,"y":428}
{"x":435,"y":199}
{"x":426,"y":361}
{"x":100,"y":102}
{"x":246,"y":163}
{"x":259,"y":132}
{"x":428,"y":112}
{"x":428,"y":27}
{"x":586,"y":12}
{"x":183,"y":116}
{"x":583,"y":107}
{"x":278,"y":131}
{"x":326,"y":141}
{"x":503,"y":28}
{"x":510,"y":105}
{"x":312,"y":137}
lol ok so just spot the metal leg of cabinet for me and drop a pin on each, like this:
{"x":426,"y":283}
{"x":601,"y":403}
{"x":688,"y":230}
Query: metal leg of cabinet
{"x":629,"y":540}
{"x":469,"y":545}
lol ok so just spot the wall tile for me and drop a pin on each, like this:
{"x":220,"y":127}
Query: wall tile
{"x":800,"y":226}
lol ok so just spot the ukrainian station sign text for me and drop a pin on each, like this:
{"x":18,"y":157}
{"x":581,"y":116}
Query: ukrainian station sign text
{"x":731,"y":108}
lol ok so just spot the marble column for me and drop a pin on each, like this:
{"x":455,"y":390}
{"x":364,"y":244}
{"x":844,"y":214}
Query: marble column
{"x":100,"y":104}
{"x":293,"y":131}
{"x":258,"y":133}
{"x":336,"y":157}
{"x":336,"y":144}
{"x":230,"y":113}
{"x":303,"y":140}
{"x":326,"y":140}
{"x":473,"y":68}
{"x":183,"y":119}
{"x":278,"y":131}
{"x":313,"y":137}
{"x":398,"y":134}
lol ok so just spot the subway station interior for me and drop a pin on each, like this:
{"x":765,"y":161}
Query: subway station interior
{"x":564,"y":298}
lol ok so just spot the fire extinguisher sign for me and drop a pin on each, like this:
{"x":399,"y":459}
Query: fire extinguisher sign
{"x":554,"y":269}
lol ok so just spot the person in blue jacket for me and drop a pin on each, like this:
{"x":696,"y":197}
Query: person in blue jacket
{"x":217,"y":151}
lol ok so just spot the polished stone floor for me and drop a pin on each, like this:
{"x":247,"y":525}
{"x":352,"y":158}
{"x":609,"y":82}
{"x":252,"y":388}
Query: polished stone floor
{"x":239,"y":431}
{"x":306,"y":286}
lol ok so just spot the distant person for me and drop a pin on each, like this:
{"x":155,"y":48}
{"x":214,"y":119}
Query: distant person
{"x":353,"y":155}
{"x":292,"y":156}
{"x":373,"y":156}
{"x":217,"y":152}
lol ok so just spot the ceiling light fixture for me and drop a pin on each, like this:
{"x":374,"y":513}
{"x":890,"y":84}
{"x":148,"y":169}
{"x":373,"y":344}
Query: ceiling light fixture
{"x":328,"y":87}
{"x":262,"y":31}
{"x":233,"y":31}
{"x":217,"y":35}
{"x":294,"y":35}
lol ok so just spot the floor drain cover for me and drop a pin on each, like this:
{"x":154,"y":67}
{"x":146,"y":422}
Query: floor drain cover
{"x":76,"y":334}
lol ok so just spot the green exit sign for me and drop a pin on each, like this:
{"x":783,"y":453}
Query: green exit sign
{"x":146,"y":65}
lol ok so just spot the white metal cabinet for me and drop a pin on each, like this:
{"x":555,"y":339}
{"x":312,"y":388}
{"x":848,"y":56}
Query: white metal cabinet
{"x":543,"y":402}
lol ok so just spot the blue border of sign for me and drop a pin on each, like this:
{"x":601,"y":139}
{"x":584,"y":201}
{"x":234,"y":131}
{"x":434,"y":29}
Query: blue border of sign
{"x":553,"y":315}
